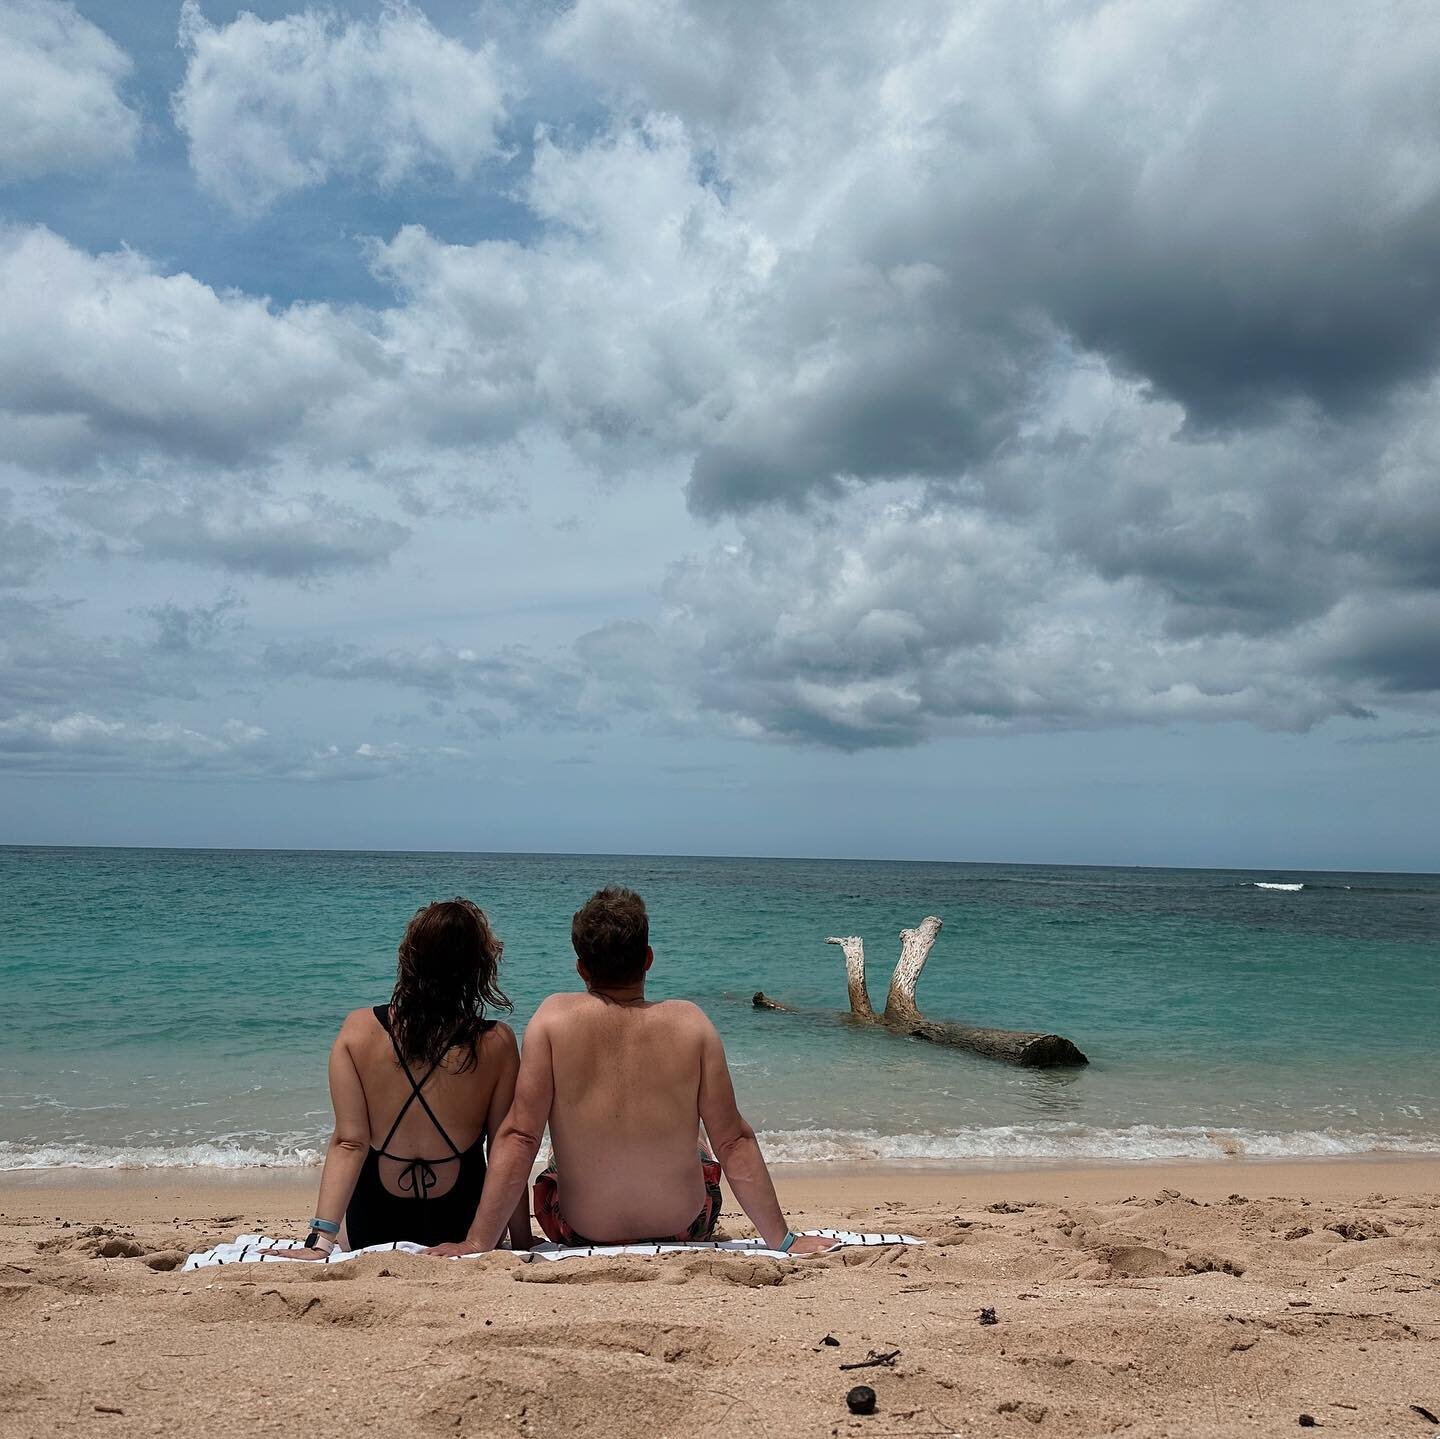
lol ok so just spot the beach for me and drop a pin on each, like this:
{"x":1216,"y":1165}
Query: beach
{"x":1192,"y":1299}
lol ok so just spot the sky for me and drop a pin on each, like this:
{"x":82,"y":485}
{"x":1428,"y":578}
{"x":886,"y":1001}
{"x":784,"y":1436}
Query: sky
{"x":962,"y":431}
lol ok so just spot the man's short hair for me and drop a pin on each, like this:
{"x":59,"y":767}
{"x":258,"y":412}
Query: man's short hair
{"x":611,"y":935}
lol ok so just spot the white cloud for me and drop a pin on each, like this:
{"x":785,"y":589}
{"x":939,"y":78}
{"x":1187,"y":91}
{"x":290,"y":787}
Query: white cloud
{"x":61,"y":109}
{"x":271,"y":107}
{"x":85,"y":743}
{"x":104,"y":355}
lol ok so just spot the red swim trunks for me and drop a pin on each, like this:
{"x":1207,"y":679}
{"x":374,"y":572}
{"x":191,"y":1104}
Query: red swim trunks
{"x":553,"y":1222}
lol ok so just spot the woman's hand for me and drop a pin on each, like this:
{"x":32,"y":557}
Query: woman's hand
{"x":453,"y":1251}
{"x":808,"y":1245}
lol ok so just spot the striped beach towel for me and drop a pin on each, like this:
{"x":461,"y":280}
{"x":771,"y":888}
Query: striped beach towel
{"x":246,"y":1249}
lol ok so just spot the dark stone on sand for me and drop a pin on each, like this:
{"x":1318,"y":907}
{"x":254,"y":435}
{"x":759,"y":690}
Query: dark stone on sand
{"x":988,"y":1316}
{"x":1308,"y":1421}
{"x":831,"y":1340}
{"x":861,"y":1399}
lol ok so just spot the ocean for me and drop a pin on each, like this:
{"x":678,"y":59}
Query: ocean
{"x":175,"y":1007}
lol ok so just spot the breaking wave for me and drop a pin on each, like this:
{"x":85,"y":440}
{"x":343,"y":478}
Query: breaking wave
{"x":188,"y":1156}
{"x":1263,"y":884}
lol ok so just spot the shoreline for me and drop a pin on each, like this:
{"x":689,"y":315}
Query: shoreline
{"x":1341,"y":1176}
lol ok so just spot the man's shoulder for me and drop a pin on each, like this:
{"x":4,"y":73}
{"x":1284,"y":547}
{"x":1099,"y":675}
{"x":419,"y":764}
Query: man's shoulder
{"x":684,"y":1012}
{"x":556,"y":1006}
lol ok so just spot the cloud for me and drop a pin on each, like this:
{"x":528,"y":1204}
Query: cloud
{"x":49,"y":666}
{"x":25,"y":548}
{"x":1239,"y":208}
{"x":272,"y":107}
{"x":86,"y":703}
{"x":1053,"y":370}
{"x":102,"y":356}
{"x":494,"y":692}
{"x":889,"y":623}
{"x":61,"y":109}
{"x":184,"y":629}
{"x":84,"y":743}
{"x":1406,"y":736}
{"x":296,"y":539}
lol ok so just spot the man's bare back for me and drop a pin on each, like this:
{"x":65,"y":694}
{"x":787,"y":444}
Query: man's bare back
{"x":626,"y":1102}
{"x":625,"y":1085}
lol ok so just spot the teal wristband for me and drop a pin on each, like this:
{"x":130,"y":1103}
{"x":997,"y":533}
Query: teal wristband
{"x":325,"y":1226}
{"x":789,"y":1239}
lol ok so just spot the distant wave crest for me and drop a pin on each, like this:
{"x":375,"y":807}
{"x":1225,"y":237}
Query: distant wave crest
{"x":1263,"y":884}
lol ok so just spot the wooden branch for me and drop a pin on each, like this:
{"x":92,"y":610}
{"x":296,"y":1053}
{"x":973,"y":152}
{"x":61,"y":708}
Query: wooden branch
{"x":902,"y":1016}
{"x":763,"y":1001}
{"x":1014,"y":1046}
{"x":915,"y":946}
{"x":853,"y":948}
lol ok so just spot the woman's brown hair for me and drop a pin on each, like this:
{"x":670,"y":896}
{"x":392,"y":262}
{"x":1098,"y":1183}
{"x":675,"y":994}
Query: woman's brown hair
{"x":446,"y":977}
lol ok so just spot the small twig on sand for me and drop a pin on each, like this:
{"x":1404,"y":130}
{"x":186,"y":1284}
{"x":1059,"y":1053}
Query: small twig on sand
{"x":875,"y":1361}
{"x":733,"y":1400}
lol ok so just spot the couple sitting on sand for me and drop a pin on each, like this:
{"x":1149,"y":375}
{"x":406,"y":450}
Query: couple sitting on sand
{"x":421,"y":1085}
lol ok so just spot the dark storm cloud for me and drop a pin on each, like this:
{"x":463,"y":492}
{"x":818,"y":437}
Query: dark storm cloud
{"x":1210,"y":215}
{"x":1396,"y":646}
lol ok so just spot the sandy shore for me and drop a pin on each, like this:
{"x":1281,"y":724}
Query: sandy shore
{"x":1195,"y":1300}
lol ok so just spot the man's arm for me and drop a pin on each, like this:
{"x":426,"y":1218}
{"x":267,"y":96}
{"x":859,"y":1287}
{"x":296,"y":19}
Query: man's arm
{"x":738,"y":1150}
{"x":514,"y":1147}
{"x":502,"y":1100}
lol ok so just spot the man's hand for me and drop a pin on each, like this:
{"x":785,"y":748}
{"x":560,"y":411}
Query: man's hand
{"x":807,"y":1245}
{"x":456,"y":1250}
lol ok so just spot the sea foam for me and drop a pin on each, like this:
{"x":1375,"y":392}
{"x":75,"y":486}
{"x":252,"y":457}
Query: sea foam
{"x":996,"y":1144}
{"x":1077,"y":1144}
{"x":188,"y":1156}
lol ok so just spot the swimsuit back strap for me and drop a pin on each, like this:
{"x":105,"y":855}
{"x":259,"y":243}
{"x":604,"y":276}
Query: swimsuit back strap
{"x":415,"y":1093}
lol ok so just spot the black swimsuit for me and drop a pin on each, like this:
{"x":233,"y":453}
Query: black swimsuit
{"x":378,"y":1215}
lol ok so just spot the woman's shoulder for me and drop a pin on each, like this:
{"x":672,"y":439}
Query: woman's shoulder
{"x":361,"y":1023}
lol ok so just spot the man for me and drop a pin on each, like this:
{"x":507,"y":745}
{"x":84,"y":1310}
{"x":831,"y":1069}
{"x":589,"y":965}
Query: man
{"x":624,"y":1083}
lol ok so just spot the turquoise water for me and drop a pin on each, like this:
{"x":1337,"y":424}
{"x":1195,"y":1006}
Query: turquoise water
{"x":176,"y":1006}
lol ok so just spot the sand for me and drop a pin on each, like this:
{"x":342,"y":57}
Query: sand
{"x":1144,"y":1300}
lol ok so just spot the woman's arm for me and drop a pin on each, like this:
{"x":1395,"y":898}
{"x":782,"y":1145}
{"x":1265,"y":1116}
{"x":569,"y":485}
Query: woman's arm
{"x":501,"y":1098}
{"x":349,"y":1143}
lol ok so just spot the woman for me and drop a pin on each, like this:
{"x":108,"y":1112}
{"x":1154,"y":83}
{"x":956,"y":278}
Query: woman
{"x":417,"y":1087}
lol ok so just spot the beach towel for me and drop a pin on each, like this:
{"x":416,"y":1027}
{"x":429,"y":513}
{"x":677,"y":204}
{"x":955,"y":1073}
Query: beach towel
{"x":245,"y":1249}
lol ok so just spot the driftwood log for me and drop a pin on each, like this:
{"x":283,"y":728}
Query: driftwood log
{"x":1014,"y":1046}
